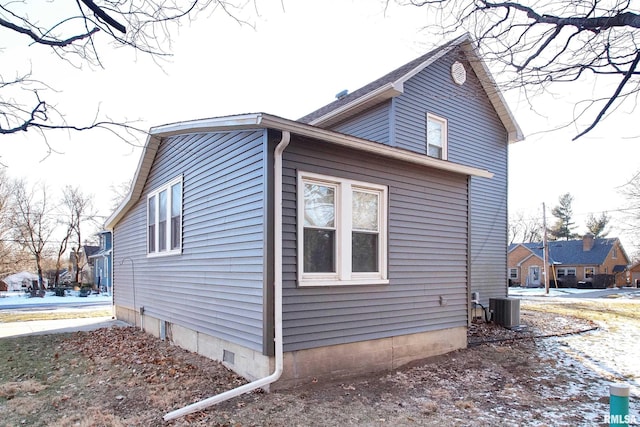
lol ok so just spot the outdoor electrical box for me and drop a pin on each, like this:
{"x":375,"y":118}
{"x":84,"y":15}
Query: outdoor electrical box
{"x":505,"y":311}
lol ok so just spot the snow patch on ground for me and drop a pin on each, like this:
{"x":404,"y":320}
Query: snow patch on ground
{"x":72,"y":297}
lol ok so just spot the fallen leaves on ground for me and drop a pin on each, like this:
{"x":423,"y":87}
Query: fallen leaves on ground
{"x":124,"y":377}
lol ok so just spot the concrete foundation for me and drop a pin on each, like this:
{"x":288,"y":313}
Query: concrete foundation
{"x":333,"y":362}
{"x":303,"y":366}
{"x":246,"y":362}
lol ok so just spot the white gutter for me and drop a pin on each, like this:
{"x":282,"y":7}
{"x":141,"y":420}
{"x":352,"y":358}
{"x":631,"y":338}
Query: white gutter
{"x":277,"y":299}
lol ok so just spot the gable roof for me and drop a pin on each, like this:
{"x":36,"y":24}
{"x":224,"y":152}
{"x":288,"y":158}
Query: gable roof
{"x":90,"y":250}
{"x":392,"y":85}
{"x":267,"y":121}
{"x":570,"y":252}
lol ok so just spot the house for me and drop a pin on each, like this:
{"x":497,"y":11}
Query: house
{"x":22,"y":281}
{"x":634,"y":274}
{"x":101,"y":262}
{"x":569,"y":262}
{"x":349,"y":240}
{"x":81,"y":266}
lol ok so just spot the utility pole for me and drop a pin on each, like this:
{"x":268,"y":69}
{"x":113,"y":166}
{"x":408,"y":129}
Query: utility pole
{"x":544,"y":249}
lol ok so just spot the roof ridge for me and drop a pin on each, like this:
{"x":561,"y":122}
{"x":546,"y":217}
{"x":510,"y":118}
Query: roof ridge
{"x":389,"y":77}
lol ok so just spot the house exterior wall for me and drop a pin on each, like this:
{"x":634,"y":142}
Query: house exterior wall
{"x":517,"y":256}
{"x":476,"y":137}
{"x":616,"y":256}
{"x":372,"y":124}
{"x":525,"y":268}
{"x":216,"y":285}
{"x":634,"y":274}
{"x":427,"y":260}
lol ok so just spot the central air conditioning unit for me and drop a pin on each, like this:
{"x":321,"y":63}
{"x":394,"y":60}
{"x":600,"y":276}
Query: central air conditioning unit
{"x":505,"y":311}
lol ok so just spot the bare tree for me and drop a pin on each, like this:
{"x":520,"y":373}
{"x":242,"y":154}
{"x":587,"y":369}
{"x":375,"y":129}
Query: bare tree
{"x":6,"y":261}
{"x":75,"y":32}
{"x":523,"y":229}
{"x":631,"y":191}
{"x":119,"y":193}
{"x":547,"y":42}
{"x":31,"y":221}
{"x":79,"y":210}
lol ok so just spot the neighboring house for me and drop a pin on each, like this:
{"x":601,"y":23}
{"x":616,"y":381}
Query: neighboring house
{"x":22,"y":281}
{"x":84,"y":264}
{"x":101,"y":261}
{"x":569,"y":262}
{"x":377,"y":215}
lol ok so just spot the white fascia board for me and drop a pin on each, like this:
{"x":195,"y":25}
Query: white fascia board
{"x":433,"y":58}
{"x":388,"y":91}
{"x":370,"y":146}
{"x":215,"y":124}
{"x":493,"y":92}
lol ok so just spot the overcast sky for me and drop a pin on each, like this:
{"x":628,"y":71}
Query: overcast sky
{"x":294,"y":61}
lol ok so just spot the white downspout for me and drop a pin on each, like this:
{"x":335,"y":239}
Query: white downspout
{"x":277,"y":298}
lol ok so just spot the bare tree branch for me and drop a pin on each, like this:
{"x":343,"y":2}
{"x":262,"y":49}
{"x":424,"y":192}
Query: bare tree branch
{"x":145,"y":26}
{"x":613,"y":98}
{"x":104,"y":16}
{"x":537,"y":44}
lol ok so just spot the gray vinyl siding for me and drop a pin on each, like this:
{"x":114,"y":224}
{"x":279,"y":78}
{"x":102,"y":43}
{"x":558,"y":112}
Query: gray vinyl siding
{"x":476,"y":137}
{"x":427,"y":254}
{"x":216,"y":286}
{"x":373,"y":124}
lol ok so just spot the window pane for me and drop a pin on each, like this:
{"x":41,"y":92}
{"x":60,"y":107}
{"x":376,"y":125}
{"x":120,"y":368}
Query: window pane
{"x":152,"y":224}
{"x":319,"y":251}
{"x":176,"y":211}
{"x":364,"y":253}
{"x":435,"y":138}
{"x":175,"y":232}
{"x":319,"y":206}
{"x":434,"y":151}
{"x":365,"y":211}
{"x":162,"y":222}
{"x":162,"y":200}
{"x":434,"y":133}
{"x":152,"y":238}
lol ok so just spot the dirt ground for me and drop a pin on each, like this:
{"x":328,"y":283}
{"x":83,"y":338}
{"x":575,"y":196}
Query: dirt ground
{"x":543,"y":375}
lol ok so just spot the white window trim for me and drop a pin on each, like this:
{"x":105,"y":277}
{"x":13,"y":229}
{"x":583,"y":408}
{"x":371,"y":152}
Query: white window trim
{"x":156,"y":193}
{"x":445,"y":134}
{"x":343,"y":275}
{"x":589,"y":268}
{"x":565,"y":271}
{"x":511,"y":270}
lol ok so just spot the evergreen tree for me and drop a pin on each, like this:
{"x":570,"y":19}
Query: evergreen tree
{"x":596,"y":226}
{"x":563,"y":228}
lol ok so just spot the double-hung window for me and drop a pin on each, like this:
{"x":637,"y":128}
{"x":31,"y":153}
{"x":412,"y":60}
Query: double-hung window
{"x":589,"y":272}
{"x":342,"y":231}
{"x":436,"y":136}
{"x":164,"y":219}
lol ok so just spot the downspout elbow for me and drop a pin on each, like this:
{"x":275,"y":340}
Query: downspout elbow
{"x":277,"y":300}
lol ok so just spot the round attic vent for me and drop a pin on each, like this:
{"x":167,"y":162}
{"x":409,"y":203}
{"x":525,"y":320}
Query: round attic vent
{"x":458,"y":73}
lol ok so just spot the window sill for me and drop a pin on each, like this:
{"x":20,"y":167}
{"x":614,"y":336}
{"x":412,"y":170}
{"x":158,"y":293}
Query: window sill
{"x":356,"y":282}
{"x":164,"y":254}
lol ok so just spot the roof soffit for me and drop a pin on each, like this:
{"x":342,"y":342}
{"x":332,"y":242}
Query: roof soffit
{"x":266,"y":121}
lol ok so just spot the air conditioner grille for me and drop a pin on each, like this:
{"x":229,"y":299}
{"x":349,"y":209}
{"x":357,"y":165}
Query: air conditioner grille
{"x":505,"y":311}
